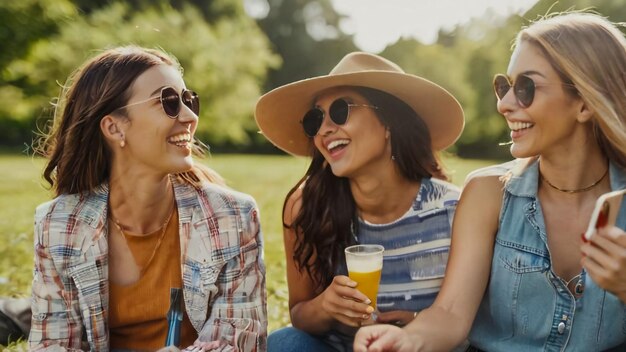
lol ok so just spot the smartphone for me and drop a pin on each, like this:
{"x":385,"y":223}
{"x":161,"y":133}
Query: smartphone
{"x":605,"y":212}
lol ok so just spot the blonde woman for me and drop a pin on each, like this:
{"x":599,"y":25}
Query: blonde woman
{"x":520,"y":277}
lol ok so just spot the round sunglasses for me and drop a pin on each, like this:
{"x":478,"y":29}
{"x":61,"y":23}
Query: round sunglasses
{"x":523,"y":88}
{"x":170,"y":101}
{"x":338,"y":112}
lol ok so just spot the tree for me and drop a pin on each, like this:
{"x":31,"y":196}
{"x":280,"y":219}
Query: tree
{"x":306,"y":35}
{"x":225,"y":61}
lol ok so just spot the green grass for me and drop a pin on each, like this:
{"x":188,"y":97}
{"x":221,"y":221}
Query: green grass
{"x":266,"y":178}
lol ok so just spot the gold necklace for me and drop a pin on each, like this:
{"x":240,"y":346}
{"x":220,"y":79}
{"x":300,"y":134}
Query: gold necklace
{"x":579,"y":190}
{"x":156,"y":247}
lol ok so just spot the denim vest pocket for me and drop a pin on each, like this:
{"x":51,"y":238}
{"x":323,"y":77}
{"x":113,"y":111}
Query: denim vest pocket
{"x":519,"y":271}
{"x":520,"y":259}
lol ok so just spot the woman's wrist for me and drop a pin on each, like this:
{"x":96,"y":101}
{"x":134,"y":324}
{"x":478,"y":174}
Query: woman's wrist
{"x":310,"y":316}
{"x":412,"y":334}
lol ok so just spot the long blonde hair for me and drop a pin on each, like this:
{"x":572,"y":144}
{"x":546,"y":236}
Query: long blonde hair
{"x":589,"y":51}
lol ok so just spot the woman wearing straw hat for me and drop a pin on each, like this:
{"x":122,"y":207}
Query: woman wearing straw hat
{"x":372,"y":132}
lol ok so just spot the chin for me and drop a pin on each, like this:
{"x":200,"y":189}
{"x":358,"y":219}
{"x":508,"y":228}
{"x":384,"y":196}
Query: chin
{"x":519,"y":153}
{"x":183,"y":166}
{"x":340,"y":171}
{"x":336,"y":169}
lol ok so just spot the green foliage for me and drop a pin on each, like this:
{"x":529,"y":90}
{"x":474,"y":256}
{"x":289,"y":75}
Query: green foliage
{"x":16,"y":346}
{"x":463,"y":61}
{"x":216,"y":57}
{"x":230,"y":58}
{"x":306,"y":35}
{"x":27,"y":21}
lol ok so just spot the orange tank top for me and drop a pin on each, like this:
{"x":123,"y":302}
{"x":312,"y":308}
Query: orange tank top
{"x":138,"y":312}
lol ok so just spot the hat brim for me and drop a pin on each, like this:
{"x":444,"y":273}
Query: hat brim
{"x":279,"y":112}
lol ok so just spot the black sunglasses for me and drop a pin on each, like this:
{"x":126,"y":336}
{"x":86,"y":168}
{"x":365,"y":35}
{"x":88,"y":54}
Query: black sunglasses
{"x":339,"y":111}
{"x":170,"y":101}
{"x":523,"y":88}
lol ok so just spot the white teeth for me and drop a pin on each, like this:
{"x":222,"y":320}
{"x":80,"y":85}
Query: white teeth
{"x":183,"y":137}
{"x":516,"y":126}
{"x":337,"y":143}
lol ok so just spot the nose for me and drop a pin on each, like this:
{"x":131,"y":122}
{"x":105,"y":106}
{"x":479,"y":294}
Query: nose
{"x":186,"y":116}
{"x":327,"y":127}
{"x":508,"y":103}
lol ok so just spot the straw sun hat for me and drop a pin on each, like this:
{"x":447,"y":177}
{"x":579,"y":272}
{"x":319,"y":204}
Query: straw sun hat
{"x":279,"y":112}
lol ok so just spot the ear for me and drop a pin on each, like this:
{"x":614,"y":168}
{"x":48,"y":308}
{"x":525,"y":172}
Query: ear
{"x":113,"y":129}
{"x":585,"y":113}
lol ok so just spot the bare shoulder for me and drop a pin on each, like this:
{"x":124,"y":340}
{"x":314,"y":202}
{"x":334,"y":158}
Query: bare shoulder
{"x":484,"y":187}
{"x":485,"y":184}
{"x":293,"y":204}
{"x":498,"y":171}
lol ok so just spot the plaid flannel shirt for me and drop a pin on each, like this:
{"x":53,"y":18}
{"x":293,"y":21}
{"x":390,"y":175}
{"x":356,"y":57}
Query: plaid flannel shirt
{"x":222,"y":268}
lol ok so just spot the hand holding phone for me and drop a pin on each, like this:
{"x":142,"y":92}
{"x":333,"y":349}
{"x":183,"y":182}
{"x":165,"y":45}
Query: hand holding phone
{"x":605,"y":212}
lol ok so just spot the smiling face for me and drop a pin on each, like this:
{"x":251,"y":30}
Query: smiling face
{"x":360,"y":145}
{"x":550,"y":123}
{"x":154,"y":141}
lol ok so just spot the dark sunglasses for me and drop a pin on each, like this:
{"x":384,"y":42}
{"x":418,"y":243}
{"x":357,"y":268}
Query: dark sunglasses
{"x":523,"y":88}
{"x":170,"y":101}
{"x":338,"y":112}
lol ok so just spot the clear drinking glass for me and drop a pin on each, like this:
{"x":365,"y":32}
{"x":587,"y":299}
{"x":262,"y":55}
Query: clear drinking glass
{"x":365,"y":263}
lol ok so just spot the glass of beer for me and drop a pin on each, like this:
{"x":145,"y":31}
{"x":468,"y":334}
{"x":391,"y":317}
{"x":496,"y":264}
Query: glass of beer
{"x":365,"y":263}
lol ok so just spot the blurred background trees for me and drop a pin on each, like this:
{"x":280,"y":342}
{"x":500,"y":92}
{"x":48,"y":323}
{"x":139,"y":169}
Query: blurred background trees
{"x":234,"y":50}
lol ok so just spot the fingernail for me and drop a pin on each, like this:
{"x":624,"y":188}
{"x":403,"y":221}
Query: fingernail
{"x":366,"y":316}
{"x":367,"y":301}
{"x":370,"y":309}
{"x":585,"y":240}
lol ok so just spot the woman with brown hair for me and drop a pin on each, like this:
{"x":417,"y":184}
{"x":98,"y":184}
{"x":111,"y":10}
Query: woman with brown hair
{"x":136,"y":225}
{"x":373,"y":133}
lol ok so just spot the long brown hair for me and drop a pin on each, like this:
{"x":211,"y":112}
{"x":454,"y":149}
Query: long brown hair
{"x":328,"y":219}
{"x":78,"y":155}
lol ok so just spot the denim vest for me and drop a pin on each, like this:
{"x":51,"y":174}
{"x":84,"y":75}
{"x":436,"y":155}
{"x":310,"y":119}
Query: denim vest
{"x":526,"y":307}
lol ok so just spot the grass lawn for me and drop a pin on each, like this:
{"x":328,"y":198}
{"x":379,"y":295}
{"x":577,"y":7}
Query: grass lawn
{"x":266,"y":178}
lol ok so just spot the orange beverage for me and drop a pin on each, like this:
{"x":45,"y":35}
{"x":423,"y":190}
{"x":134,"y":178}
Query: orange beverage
{"x":365,"y":264}
{"x":367,"y":283}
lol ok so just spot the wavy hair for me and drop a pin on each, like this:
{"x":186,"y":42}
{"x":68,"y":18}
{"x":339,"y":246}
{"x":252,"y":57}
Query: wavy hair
{"x":589,"y":52}
{"x":79,"y":158}
{"x":328,"y":219}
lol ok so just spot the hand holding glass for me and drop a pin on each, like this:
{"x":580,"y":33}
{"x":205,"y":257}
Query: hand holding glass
{"x":365,"y":263}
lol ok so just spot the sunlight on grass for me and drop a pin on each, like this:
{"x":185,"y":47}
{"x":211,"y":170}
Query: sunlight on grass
{"x":266,"y":178}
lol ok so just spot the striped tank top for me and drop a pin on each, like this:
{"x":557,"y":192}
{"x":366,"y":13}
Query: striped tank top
{"x":416,"y":248}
